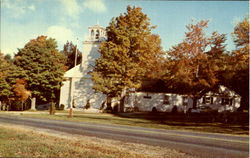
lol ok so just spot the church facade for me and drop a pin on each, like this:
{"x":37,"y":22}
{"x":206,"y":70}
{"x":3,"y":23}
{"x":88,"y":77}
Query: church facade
{"x":77,"y":88}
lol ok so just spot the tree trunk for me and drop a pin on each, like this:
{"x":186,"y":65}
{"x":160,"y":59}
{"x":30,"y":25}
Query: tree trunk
{"x":109,"y":107}
{"x":33,"y":104}
{"x":194,"y":102}
{"x":22,"y":105}
{"x":122,"y":99}
{"x":52,"y":108}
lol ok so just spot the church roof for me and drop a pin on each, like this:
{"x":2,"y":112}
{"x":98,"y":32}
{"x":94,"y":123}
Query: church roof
{"x":96,"y":27}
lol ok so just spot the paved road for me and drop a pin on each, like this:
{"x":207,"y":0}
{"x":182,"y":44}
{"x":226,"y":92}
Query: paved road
{"x":195,"y":143}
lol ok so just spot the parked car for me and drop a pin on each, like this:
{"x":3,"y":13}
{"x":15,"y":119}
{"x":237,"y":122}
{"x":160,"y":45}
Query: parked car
{"x":194,"y":111}
{"x":207,"y":109}
{"x":201,"y":109}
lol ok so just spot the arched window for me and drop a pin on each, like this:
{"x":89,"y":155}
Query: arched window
{"x":97,"y":34}
{"x":92,"y":33}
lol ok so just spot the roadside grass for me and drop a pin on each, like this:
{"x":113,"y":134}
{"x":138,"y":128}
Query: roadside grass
{"x":19,"y":142}
{"x":160,"y":121}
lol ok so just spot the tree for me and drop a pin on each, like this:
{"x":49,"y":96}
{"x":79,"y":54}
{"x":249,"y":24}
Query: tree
{"x":239,"y":71}
{"x":69,"y":50}
{"x":5,"y":87}
{"x":21,"y":92}
{"x":189,"y":71}
{"x":42,"y":66}
{"x":219,"y":58}
{"x":128,"y":55}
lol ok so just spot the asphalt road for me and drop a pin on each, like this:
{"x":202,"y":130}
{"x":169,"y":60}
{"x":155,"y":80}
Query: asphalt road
{"x":195,"y":143}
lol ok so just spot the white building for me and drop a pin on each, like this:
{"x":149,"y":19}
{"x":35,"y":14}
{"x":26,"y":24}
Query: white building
{"x":77,"y":89}
{"x":221,"y":100}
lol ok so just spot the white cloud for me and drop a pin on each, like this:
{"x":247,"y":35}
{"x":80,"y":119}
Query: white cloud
{"x":71,"y":8}
{"x":17,"y":8}
{"x":61,"y":34}
{"x":95,"y":5}
{"x":32,"y":7}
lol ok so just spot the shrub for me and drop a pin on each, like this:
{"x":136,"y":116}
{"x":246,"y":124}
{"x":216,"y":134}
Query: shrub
{"x":154,"y":110}
{"x":87,"y":106}
{"x":61,"y":107}
{"x":115,"y":108}
{"x":174,"y":110}
{"x":136,"y":109}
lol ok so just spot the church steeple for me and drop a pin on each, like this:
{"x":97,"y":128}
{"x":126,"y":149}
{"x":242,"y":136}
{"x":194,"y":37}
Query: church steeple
{"x":96,"y":33}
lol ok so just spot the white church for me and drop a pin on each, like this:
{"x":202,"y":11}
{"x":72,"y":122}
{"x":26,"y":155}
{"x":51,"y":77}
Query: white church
{"x":77,"y":89}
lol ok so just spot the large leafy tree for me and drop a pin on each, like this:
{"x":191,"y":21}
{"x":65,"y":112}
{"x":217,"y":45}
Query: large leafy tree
{"x":9,"y":73}
{"x":239,"y":71}
{"x":219,"y":58}
{"x":189,"y":63}
{"x":5,"y":87}
{"x":42,"y":67}
{"x":129,"y":54}
{"x":69,"y":50}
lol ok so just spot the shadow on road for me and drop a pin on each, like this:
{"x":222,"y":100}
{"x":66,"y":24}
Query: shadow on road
{"x":234,"y":123}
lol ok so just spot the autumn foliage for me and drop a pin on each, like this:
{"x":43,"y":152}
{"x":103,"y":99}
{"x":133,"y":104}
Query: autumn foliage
{"x":20,"y":91}
{"x":189,"y":69}
{"x":130,"y":53}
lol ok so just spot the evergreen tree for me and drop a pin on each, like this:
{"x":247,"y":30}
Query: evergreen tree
{"x":69,"y":50}
{"x":42,"y":67}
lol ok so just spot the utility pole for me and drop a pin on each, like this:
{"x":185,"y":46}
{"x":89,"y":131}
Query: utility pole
{"x":76,"y":52}
{"x":71,"y":86}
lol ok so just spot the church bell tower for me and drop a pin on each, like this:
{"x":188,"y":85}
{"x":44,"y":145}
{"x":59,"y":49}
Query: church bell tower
{"x":96,"y":34}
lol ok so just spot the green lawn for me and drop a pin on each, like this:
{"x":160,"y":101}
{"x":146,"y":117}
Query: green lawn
{"x":162,"y":121}
{"x":20,"y":142}
{"x":16,"y":143}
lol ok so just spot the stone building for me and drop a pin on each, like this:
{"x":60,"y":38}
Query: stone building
{"x":77,"y":87}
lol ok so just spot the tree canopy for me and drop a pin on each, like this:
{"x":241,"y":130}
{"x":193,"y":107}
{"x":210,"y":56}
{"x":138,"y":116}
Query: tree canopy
{"x":42,"y":67}
{"x":129,"y":54}
{"x":69,"y":50}
{"x":5,"y":87}
{"x":239,"y":71}
{"x":190,"y":71}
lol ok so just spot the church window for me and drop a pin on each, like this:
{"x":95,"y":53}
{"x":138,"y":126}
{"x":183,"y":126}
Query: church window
{"x":97,"y":34}
{"x":92,"y":33}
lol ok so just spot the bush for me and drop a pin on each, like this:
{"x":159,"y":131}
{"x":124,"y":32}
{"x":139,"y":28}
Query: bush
{"x":154,"y":110}
{"x":115,"y":108}
{"x":136,"y":109}
{"x":61,"y":107}
{"x":174,"y":110}
{"x":87,"y":106}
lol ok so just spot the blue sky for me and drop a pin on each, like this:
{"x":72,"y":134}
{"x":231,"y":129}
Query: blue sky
{"x":22,"y":20}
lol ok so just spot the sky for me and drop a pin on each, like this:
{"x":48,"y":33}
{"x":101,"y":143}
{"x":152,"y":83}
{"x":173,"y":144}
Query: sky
{"x":68,"y":20}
